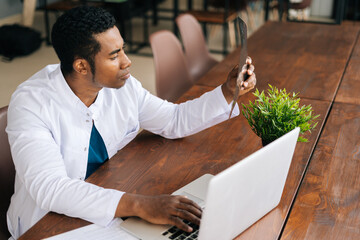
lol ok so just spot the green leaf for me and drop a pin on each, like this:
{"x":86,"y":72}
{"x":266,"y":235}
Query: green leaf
{"x":276,"y":112}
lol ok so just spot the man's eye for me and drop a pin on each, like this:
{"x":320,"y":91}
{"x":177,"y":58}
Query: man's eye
{"x":113,"y":58}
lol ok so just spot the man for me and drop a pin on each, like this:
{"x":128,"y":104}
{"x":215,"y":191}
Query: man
{"x":68,"y":119}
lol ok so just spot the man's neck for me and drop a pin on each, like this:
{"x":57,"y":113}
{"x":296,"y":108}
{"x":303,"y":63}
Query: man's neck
{"x":82,"y":89}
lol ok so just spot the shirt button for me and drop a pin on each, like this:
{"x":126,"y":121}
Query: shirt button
{"x":85,"y":149}
{"x":87,"y":121}
{"x":88,"y":114}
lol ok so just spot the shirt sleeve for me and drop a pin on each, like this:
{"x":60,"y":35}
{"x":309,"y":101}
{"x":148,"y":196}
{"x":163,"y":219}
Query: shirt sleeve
{"x":40,"y":168}
{"x":179,"y":120}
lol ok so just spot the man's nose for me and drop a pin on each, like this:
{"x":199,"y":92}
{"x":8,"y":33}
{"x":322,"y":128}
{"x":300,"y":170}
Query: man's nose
{"x":125,"y":62}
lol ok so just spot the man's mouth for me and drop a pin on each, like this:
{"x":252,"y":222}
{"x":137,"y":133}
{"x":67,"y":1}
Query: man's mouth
{"x":126,"y":76}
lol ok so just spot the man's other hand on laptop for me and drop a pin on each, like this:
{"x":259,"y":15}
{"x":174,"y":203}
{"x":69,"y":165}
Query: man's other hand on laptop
{"x":162,"y":209}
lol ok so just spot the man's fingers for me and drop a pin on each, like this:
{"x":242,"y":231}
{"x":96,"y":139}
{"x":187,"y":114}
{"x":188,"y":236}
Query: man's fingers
{"x":188,"y":210}
{"x":191,"y":209}
{"x":251,"y":69}
{"x":248,"y":60}
{"x":190,"y":202}
{"x":249,"y":83}
{"x":244,"y":81}
{"x":244,"y":68}
{"x":167,"y":209}
{"x":252,"y":81}
{"x":180,"y":224}
{"x":186,"y":215}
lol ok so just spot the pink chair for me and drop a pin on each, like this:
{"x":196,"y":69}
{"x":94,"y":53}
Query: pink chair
{"x":196,"y":51}
{"x":7,"y":174}
{"x":172,"y":74}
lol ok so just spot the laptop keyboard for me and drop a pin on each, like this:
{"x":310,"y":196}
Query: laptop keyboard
{"x":177,"y":234}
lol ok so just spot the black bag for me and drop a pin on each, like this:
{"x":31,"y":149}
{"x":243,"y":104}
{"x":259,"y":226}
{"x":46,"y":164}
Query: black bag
{"x":16,"y":40}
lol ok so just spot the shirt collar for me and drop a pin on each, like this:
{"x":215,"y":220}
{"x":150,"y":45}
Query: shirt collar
{"x":69,"y":96}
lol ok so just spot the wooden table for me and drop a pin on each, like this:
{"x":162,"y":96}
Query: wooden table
{"x":152,"y":165}
{"x":328,"y":203}
{"x":305,"y":58}
{"x":349,"y":88}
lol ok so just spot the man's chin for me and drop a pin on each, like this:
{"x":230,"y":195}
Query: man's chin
{"x":121,"y":84}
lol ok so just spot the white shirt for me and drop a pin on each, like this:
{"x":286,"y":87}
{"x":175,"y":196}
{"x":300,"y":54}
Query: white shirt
{"x":49,"y":131}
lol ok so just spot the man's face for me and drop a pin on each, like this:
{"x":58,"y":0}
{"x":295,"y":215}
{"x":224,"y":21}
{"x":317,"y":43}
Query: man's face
{"x":112,"y":66}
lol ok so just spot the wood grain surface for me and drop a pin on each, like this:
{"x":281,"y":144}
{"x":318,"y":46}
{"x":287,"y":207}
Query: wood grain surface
{"x":305,"y":58}
{"x":350,"y":85}
{"x":328,"y":203}
{"x":154,"y":165}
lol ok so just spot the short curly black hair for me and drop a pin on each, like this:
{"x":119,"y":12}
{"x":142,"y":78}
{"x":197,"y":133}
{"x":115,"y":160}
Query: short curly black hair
{"x":73,"y":35}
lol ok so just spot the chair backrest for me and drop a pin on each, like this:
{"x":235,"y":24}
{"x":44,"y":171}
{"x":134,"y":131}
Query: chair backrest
{"x":301,"y":5}
{"x":7,"y":174}
{"x":172,"y":73}
{"x":196,"y":51}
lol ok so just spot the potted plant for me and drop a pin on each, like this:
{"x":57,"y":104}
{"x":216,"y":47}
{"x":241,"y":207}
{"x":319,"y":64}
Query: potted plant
{"x":278,"y":112}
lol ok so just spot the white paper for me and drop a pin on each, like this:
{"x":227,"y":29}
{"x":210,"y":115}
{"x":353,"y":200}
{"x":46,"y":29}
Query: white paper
{"x":95,"y":232}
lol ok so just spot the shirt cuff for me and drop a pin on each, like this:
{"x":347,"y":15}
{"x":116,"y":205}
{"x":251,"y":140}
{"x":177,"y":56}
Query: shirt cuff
{"x":227,"y":106}
{"x":111,"y":210}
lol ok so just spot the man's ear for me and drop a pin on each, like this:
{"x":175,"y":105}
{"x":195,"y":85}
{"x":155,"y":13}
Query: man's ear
{"x":81,"y":66}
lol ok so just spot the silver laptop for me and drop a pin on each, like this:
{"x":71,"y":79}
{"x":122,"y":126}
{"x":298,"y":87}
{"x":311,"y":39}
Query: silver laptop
{"x":235,"y":198}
